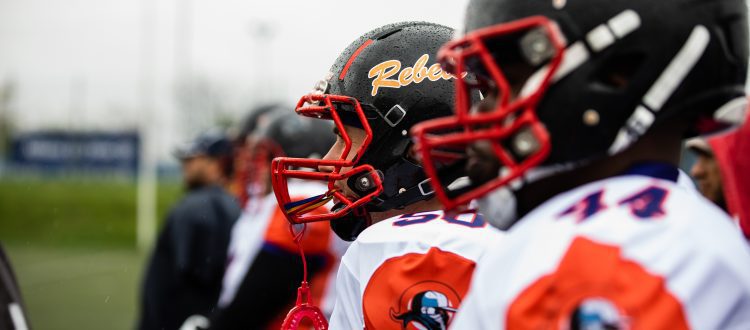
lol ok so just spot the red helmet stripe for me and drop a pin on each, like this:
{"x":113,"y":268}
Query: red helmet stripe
{"x":354,"y":56}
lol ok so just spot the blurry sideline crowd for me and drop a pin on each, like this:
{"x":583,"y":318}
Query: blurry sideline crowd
{"x":225,"y":257}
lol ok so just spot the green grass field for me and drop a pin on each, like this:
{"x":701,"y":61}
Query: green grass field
{"x":72,"y":244}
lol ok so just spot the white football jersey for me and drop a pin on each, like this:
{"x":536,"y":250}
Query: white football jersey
{"x":628,"y":252}
{"x":410,"y":271}
{"x":263,"y":224}
{"x":245,"y":243}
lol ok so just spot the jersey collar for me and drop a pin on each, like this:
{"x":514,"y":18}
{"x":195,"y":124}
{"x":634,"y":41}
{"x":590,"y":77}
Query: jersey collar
{"x":655,"y":170}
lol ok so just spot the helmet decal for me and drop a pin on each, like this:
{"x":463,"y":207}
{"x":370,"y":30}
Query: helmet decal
{"x":382,"y":73}
{"x":669,"y":80}
{"x":354,"y":57}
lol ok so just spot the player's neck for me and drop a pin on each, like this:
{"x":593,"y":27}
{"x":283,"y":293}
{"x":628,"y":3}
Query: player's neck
{"x":422,"y":206}
{"x":662,"y":147}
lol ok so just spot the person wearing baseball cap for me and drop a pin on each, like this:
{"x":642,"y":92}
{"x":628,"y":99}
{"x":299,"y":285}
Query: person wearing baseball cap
{"x":206,"y":161}
{"x":183,"y":279}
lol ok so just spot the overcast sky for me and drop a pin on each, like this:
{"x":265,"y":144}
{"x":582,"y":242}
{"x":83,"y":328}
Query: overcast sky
{"x":97,"y":64}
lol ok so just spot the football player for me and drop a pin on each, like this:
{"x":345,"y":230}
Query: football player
{"x":264,"y":267}
{"x":245,"y":184}
{"x":585,"y":107}
{"x":410,"y":263}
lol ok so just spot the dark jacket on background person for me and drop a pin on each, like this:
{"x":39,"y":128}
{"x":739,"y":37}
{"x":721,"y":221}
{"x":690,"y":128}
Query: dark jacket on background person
{"x":185,"y":273}
{"x":12,"y":315}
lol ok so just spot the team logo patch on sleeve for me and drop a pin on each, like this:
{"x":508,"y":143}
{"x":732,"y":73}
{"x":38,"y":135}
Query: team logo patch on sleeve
{"x":417,"y":291}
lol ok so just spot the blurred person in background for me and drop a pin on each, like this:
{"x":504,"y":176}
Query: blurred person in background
{"x":706,"y":171}
{"x":264,"y":267}
{"x":183,"y":279}
{"x":243,"y":152}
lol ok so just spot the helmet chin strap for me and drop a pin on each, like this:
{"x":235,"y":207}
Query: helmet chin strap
{"x":350,"y":225}
{"x":418,"y":191}
{"x":408,"y":196}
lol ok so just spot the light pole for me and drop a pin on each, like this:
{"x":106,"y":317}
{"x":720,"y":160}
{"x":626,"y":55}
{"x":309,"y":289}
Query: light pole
{"x":147,"y":176}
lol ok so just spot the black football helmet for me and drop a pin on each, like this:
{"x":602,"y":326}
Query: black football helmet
{"x":245,"y":176}
{"x":258,"y":114}
{"x":580,"y":80}
{"x":282,"y":134}
{"x":285,"y":134}
{"x":383,"y":83}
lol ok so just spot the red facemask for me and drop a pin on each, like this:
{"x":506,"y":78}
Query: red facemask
{"x":500,"y":124}
{"x":325,"y":106}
